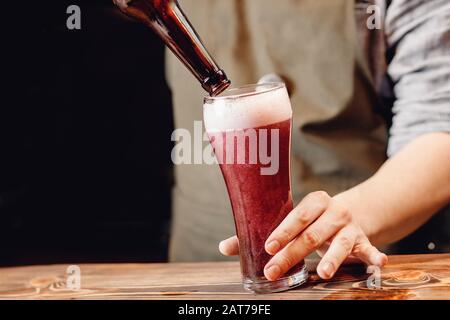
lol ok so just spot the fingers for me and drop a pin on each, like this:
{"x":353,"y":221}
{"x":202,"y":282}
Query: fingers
{"x":340,"y":248}
{"x":348,"y":244}
{"x":301,"y":217}
{"x":326,"y":226}
{"x":229,"y":247}
{"x":365,"y":251}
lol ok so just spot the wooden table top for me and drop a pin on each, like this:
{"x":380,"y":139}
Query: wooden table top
{"x":405,"y":277}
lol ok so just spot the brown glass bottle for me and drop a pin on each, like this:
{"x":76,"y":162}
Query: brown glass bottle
{"x":171,"y":24}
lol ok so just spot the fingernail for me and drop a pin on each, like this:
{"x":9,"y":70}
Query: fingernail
{"x":273,"y":272}
{"x":328,"y":269}
{"x":375,"y":259}
{"x":272,"y":247}
{"x":381,"y":259}
{"x":222,"y":247}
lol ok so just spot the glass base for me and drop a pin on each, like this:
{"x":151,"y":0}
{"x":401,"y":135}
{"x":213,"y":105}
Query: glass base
{"x":283,"y":284}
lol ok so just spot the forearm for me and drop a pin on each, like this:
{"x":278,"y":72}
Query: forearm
{"x":407,"y":190}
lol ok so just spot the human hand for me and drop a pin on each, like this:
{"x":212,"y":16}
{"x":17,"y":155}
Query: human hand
{"x":319,"y":223}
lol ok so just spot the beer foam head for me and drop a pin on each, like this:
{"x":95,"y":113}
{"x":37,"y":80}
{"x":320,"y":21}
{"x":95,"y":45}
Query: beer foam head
{"x":247,"y":107}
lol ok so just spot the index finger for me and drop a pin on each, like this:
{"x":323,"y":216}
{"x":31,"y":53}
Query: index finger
{"x":309,"y":209}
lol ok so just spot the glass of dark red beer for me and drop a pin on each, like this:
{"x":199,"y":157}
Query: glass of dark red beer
{"x":250,"y":131}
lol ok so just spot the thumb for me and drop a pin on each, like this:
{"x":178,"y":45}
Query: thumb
{"x":229,"y":247}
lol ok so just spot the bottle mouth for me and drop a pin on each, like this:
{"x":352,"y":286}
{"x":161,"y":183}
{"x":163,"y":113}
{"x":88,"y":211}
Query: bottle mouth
{"x":216,"y":84}
{"x":219,"y":88}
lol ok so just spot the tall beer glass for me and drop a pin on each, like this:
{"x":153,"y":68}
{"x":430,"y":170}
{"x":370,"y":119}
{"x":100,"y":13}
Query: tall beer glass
{"x":250,"y":131}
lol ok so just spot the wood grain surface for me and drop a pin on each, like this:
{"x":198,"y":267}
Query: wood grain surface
{"x":405,"y":277}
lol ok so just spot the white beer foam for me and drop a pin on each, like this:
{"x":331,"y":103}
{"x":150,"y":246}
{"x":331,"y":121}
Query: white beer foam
{"x":248,"y":110}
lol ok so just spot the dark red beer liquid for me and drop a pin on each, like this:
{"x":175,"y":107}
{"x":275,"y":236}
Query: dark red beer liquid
{"x":167,"y":19}
{"x":259,"y":202}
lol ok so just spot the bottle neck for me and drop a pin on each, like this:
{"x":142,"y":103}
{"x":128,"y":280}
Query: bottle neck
{"x":167,"y":19}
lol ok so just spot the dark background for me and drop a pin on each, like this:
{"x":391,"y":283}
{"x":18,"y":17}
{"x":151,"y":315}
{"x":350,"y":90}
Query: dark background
{"x":85,"y":125}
